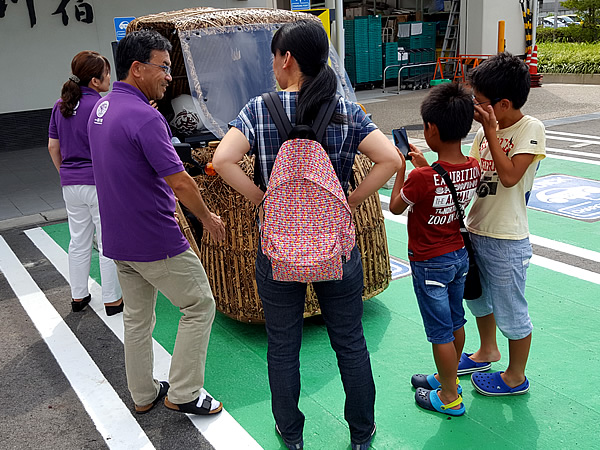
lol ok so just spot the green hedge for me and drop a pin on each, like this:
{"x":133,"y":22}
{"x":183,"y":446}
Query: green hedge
{"x":572,"y":33}
{"x":564,"y":57}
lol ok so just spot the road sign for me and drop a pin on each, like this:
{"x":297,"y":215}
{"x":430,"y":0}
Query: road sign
{"x":121,"y":26}
{"x":300,"y":4}
{"x":399,"y":268}
{"x":574,"y":197}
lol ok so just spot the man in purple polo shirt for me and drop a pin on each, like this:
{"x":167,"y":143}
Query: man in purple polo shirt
{"x":137,"y":173}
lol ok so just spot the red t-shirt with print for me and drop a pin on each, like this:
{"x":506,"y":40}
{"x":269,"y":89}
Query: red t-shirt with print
{"x":433,"y":225}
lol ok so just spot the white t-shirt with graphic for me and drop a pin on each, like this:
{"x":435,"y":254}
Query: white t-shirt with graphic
{"x":497,"y":211}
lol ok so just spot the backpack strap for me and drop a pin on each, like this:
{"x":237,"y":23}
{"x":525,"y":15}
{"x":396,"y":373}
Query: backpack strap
{"x":324,"y":117}
{"x":280,"y":118}
{"x":283,"y":124}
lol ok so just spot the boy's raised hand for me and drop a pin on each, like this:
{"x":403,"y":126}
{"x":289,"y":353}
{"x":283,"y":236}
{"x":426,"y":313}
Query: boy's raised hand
{"x":418,"y":160}
{"x":484,"y":114}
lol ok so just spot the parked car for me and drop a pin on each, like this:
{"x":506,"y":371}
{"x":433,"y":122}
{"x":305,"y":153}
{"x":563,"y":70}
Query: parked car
{"x":548,"y":22}
{"x":570,"y":19}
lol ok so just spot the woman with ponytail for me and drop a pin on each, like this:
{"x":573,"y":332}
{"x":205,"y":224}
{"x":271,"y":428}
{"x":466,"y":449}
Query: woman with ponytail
{"x":300,"y":54}
{"x":70,"y":152}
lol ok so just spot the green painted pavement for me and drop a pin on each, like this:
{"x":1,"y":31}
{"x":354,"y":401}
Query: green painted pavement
{"x":556,"y":414}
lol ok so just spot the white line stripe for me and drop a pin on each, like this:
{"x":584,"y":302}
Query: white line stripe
{"x":567,"y":269}
{"x":579,"y":160}
{"x":583,"y":141}
{"x":573,"y":152}
{"x":538,"y":260}
{"x":564,"y":133}
{"x":583,"y":144}
{"x":222,"y":431}
{"x":110,"y":415}
{"x":565,"y":248}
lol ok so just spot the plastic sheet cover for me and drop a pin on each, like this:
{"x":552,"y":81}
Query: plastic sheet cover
{"x":227,"y":66}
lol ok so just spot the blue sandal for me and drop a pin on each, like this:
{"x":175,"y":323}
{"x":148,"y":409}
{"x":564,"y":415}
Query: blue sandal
{"x":431,"y":401}
{"x":466,"y":365}
{"x":429,"y":382}
{"x":493,"y":384}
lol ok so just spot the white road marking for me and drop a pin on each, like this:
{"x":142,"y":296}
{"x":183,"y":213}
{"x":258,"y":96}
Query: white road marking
{"x":112,"y":418}
{"x":573,"y":152}
{"x":572,"y":139}
{"x":575,"y":135}
{"x":567,"y":269}
{"x":222,"y":431}
{"x":537,"y":260}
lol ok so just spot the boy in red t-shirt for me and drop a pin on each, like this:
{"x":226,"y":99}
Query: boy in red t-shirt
{"x":438,"y":259}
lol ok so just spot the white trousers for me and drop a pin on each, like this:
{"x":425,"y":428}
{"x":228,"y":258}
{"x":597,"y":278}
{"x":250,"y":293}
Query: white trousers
{"x":84,"y":217}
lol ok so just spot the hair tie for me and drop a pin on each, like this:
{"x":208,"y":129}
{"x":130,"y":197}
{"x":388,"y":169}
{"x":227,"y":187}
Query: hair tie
{"x":74,"y":79}
{"x":323,"y":62}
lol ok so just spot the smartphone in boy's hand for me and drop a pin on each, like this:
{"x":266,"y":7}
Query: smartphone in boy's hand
{"x":401,"y":141}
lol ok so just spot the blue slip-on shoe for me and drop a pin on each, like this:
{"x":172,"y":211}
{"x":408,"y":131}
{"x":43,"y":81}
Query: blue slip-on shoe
{"x":298,"y":446}
{"x":365,"y":445}
{"x":466,"y":365}
{"x":493,"y":384}
{"x":430,"y":382}
{"x":430,"y":400}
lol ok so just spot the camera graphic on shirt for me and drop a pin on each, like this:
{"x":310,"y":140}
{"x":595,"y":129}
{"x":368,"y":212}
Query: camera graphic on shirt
{"x":488,"y":185}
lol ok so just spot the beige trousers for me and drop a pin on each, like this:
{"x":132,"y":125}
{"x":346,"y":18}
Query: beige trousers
{"x":183,"y":281}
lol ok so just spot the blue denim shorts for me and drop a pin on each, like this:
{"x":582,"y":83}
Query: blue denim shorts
{"x":439,"y":285}
{"x":503,"y":267}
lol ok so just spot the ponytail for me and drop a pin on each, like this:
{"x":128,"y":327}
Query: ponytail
{"x":314,"y":92}
{"x":85,"y":66}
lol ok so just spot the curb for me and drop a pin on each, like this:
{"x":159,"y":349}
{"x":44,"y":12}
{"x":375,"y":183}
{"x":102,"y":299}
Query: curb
{"x":42,"y":218}
{"x":571,"y":78}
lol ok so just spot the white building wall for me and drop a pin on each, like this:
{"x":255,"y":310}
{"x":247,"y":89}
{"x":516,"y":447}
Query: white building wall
{"x":479,"y":26}
{"x":36,"y":60}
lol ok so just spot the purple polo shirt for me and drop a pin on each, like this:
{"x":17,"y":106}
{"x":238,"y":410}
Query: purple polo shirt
{"x":76,"y":166}
{"x":132,"y":152}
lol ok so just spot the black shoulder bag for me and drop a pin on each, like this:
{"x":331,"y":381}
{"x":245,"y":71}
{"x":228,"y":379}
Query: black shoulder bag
{"x":472,"y":283}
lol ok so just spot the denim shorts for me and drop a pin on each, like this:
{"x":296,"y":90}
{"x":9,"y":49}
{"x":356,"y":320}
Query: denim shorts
{"x":503,"y":267}
{"x":439,"y":285}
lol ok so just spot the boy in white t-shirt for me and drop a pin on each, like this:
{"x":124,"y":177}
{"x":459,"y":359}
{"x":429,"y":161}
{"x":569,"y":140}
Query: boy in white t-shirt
{"x":509,"y":147}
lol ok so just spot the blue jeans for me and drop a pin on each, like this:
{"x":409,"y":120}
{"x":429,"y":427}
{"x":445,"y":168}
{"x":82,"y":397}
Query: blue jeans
{"x":503,"y":267}
{"x":342,"y":309}
{"x":439,"y":285}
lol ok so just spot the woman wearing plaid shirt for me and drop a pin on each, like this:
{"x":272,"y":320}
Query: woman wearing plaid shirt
{"x":300,"y":53}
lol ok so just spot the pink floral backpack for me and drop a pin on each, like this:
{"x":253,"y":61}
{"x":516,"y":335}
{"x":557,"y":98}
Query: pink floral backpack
{"x":307,"y":232}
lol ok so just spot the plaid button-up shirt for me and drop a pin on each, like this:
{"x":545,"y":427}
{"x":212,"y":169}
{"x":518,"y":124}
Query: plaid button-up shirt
{"x":341,"y":140}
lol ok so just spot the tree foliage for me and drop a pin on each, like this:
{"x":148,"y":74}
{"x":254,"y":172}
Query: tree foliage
{"x":588,"y":10}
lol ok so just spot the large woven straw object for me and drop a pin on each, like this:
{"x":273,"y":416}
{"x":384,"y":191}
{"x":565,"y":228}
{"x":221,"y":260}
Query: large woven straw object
{"x":230,"y":264}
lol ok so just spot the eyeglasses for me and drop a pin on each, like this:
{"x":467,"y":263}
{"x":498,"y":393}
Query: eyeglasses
{"x":166,"y":69}
{"x":491,"y":102}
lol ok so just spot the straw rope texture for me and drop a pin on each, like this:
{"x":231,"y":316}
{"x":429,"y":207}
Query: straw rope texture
{"x":229,"y":264}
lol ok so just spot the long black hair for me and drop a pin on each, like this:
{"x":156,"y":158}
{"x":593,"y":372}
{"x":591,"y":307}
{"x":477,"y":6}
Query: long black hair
{"x":85,"y":66}
{"x":307,"y":42}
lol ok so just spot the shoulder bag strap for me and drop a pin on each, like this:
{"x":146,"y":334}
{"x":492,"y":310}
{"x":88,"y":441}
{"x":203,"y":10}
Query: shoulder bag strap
{"x":463,"y":230}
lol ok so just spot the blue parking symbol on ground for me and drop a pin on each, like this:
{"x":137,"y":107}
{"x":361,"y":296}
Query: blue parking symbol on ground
{"x":574,"y":197}
{"x":399,"y":268}
{"x":121,"y":26}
